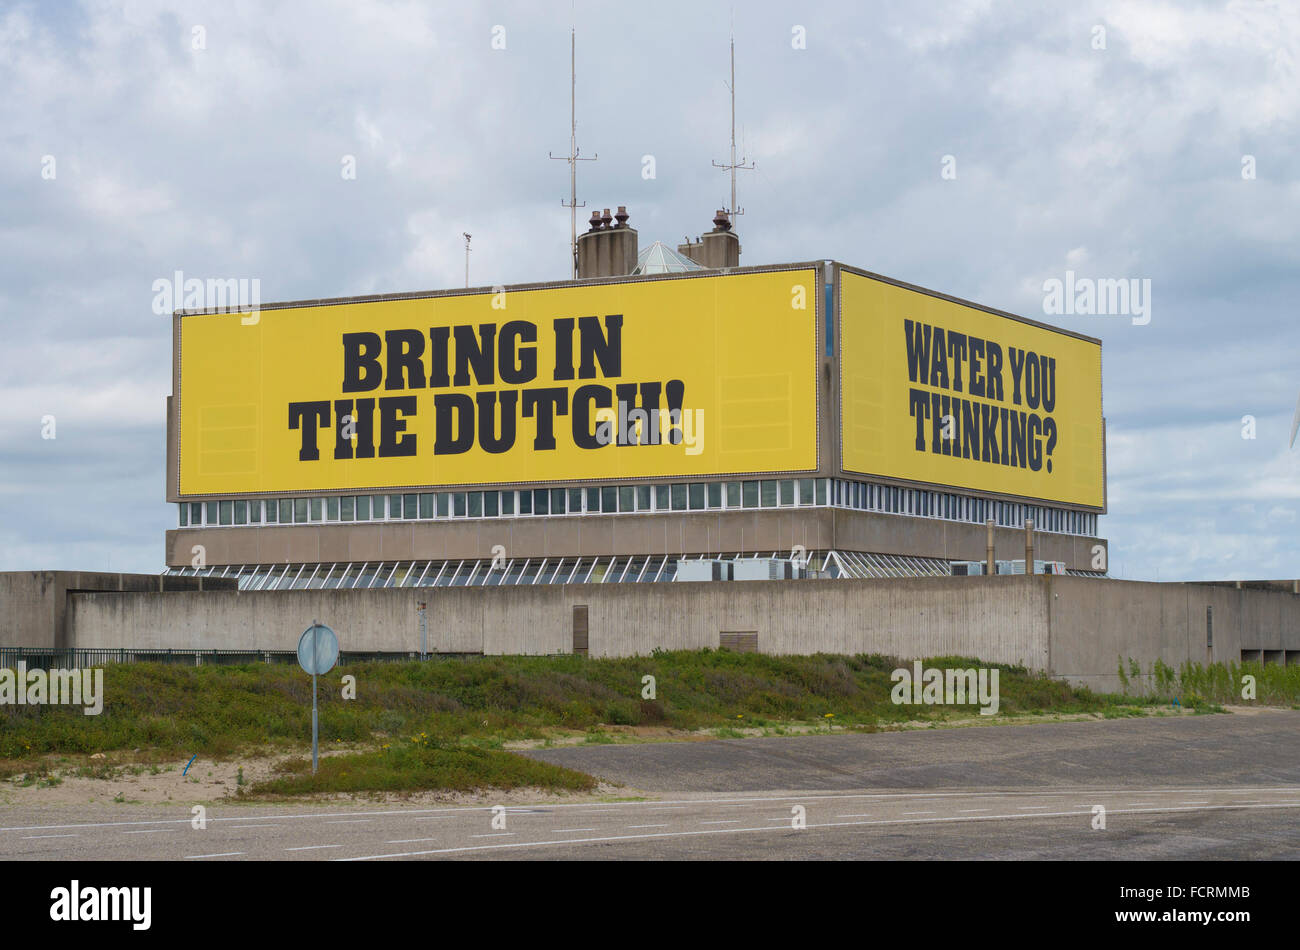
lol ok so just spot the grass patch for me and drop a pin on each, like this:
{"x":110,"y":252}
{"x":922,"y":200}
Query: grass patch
{"x":1203,"y":688}
{"x":417,"y":767}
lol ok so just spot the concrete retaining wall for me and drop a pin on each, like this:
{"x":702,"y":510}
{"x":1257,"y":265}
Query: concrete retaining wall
{"x":34,"y":604}
{"x":1003,"y":621}
{"x":1073,"y":627}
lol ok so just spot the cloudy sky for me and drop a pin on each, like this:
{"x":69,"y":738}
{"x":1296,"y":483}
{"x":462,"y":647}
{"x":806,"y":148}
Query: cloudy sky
{"x":1113,"y":139}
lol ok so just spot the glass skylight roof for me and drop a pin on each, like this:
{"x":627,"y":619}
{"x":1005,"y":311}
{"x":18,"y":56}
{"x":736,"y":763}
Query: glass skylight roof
{"x":659,"y":258}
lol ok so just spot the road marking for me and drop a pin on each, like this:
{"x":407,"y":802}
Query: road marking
{"x":409,"y":840}
{"x":1034,"y":807}
{"x":434,"y":818}
{"x":976,"y":809}
{"x":647,"y":826}
{"x":722,"y":821}
{"x":1138,"y":804}
{"x":559,"y":831}
{"x":314,"y":847}
{"x":724,"y":831}
{"x":867,"y":815}
{"x":664,"y":806}
{"x":235,"y":828}
{"x":499,"y":834}
{"x":30,"y":837}
{"x":1194,"y":803}
{"x":348,"y":821}
{"x":151,"y":831}
{"x":918,"y":813}
{"x":224,"y":854}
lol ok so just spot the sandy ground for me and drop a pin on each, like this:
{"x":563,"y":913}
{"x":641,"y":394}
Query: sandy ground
{"x":208,"y":781}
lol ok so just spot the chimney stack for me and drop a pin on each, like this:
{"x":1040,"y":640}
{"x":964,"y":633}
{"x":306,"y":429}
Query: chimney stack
{"x":719,"y":248}
{"x":607,"y":250}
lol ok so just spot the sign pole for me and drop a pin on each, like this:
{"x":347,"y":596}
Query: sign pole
{"x":314,"y":639}
{"x":314,"y":733}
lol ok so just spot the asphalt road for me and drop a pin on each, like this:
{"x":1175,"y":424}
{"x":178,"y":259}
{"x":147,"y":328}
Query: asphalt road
{"x":1191,"y":788}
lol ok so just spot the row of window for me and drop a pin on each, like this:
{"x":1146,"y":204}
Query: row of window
{"x":932,"y":504}
{"x":694,"y":496}
{"x":626,"y":499}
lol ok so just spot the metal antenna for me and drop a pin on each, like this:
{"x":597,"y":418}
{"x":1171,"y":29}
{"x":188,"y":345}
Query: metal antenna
{"x":572,"y":158}
{"x":732,"y":166}
{"x":467,"y":237}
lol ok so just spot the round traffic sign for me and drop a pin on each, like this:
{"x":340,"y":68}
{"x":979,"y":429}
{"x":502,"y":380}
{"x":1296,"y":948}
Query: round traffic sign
{"x":318,"y":649}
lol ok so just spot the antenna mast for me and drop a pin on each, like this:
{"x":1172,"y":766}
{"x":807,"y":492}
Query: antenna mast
{"x":572,"y":158}
{"x":732,"y":166}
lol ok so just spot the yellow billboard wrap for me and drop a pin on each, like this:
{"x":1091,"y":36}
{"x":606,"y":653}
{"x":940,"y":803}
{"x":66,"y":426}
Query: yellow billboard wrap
{"x":946,"y":394}
{"x":689,"y":377}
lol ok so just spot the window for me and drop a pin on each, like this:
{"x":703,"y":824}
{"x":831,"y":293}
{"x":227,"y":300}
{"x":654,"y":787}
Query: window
{"x":525,"y":502}
{"x":241,"y":512}
{"x":347,"y":508}
{"x":184,"y":514}
{"x":410,"y":506}
{"x":751,"y":494}
{"x":557,"y":501}
{"x":643,"y":498}
{"x":196,"y":512}
{"x":733,"y":494}
{"x":787,"y":492}
{"x":426,"y":505}
{"x":608,"y":499}
{"x":211,"y":513}
{"x":541,"y":501}
{"x":378,"y":508}
{"x":805,"y":491}
{"x":331,"y":509}
{"x":227,"y":512}
{"x":507,"y":503}
{"x":299,"y":510}
{"x":715,"y":494}
{"x":476,"y":504}
{"x":394,"y":506}
{"x":442,"y":501}
{"x":593,"y":498}
{"x":458,"y":504}
{"x":661,"y":498}
{"x":315,"y":507}
{"x":626,"y":498}
{"x":767,"y":495}
{"x":575,"y":500}
{"x":696,"y":494}
{"x":254,"y":512}
{"x":679,"y":497}
{"x":363,"y":507}
{"x":821,"y":491}
{"x":490,"y":503}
